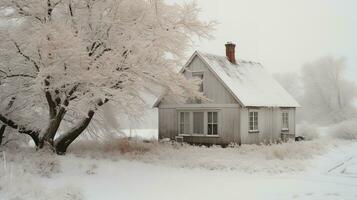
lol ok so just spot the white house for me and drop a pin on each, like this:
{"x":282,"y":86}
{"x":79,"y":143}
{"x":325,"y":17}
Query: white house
{"x":248,"y":105}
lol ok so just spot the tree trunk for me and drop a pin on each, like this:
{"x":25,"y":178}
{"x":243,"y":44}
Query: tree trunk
{"x":2,"y":131}
{"x":51,"y":130}
{"x":62,"y":143}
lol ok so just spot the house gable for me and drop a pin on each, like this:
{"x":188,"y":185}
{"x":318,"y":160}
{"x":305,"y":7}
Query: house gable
{"x":212,"y":87}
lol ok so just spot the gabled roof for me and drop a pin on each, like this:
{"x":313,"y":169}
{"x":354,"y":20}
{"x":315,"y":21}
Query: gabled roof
{"x":248,"y":82}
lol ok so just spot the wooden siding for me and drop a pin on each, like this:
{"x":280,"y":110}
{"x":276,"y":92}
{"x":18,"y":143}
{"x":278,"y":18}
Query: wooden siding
{"x":269,"y":125}
{"x":167,"y":123}
{"x":212,"y":87}
{"x":228,"y":125}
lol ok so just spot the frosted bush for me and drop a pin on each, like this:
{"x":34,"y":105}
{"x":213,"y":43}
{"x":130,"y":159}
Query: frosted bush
{"x":346,"y":130}
{"x":308,"y":131}
{"x":46,"y":166}
{"x":42,"y":163}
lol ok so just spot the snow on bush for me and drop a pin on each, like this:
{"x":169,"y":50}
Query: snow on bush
{"x":25,"y":187}
{"x":308,"y":131}
{"x":22,"y":170}
{"x":42,"y":163}
{"x":346,"y":130}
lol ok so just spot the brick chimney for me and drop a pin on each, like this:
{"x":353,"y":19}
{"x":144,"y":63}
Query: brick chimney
{"x":230,"y":52}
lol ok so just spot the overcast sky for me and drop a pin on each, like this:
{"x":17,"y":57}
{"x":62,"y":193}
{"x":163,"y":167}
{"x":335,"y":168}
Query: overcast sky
{"x":283,"y":34}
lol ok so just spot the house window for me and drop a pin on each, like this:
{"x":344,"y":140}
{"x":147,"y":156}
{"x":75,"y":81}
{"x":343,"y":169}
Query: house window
{"x":212,"y":123}
{"x":199,"y":75}
{"x":285,"y":120}
{"x":184,"y":122}
{"x":198,"y":122}
{"x":253,"y":121}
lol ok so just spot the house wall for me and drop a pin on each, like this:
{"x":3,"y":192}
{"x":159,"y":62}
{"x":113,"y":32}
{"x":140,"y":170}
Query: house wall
{"x":228,"y":123}
{"x":269,"y":125}
{"x":168,"y":127}
{"x":212,"y":87}
{"x":221,"y":100}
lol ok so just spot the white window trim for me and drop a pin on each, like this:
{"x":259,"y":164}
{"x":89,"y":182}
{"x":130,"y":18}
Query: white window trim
{"x":179,"y":121}
{"x":255,"y":130}
{"x":212,"y":123}
{"x":196,"y":73}
{"x":282,"y":120}
{"x":205,"y":118}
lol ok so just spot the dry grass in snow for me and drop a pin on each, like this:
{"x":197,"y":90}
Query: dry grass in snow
{"x":276,"y":158}
{"x":23,"y":170}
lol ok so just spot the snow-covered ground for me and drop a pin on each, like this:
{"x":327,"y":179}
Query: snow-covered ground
{"x":320,"y":169}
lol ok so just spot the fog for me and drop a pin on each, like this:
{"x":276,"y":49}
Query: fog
{"x":321,"y":87}
{"x":283,"y":34}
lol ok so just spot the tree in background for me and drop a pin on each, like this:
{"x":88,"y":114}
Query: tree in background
{"x":328,"y":95}
{"x":62,"y":60}
{"x":323,"y":91}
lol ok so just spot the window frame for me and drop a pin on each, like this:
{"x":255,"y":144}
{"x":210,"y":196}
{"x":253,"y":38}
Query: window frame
{"x":212,"y":123}
{"x":205,"y":122}
{"x":180,"y":123}
{"x":255,"y":122}
{"x":197,"y":74}
{"x":285,"y":118}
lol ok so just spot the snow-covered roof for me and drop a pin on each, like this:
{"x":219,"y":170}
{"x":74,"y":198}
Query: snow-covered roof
{"x":248,"y":82}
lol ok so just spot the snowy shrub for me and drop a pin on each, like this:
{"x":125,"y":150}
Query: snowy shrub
{"x":47,"y":165}
{"x":20,"y":172}
{"x":92,"y":169}
{"x":308,"y":131}
{"x":346,"y":130}
{"x":42,"y":163}
{"x":67,"y":193}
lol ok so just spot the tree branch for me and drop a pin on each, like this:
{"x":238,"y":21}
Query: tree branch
{"x":102,"y":53}
{"x":21,"y":129}
{"x":22,"y":11}
{"x":26,"y":56}
{"x":51,"y":103}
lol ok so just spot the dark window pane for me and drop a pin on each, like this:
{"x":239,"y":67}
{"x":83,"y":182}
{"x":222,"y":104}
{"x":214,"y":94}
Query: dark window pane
{"x":198,"y":122}
{"x":182,"y":117}
{"x":215,"y":129}
{"x":187,"y":128}
{"x":187,"y":118}
{"x":215,"y":117}
{"x":209,"y":129}
{"x":182,"y":127}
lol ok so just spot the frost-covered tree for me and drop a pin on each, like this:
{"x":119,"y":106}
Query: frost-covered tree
{"x":323,"y":91}
{"x":328,"y":95}
{"x":66,"y":58}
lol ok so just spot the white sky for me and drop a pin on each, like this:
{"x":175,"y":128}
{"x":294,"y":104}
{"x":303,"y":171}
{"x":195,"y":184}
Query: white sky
{"x":283,"y":34}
